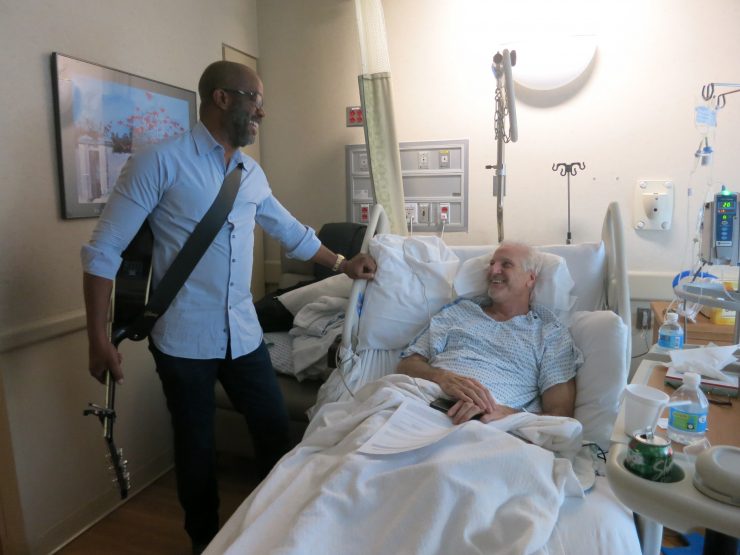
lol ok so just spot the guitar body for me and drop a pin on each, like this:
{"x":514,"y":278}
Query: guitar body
{"x":133,"y":279}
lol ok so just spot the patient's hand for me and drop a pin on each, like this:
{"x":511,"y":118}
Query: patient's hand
{"x":499,"y":411}
{"x":462,"y":411}
{"x":469,"y":391}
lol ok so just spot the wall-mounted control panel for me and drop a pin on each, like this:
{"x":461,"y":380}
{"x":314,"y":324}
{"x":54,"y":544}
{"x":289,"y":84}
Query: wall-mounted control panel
{"x":435,"y":184}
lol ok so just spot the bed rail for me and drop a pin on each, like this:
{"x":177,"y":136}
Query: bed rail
{"x":617,"y":285}
{"x":378,"y":223}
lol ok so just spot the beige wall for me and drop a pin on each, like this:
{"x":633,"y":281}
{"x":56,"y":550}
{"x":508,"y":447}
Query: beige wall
{"x":309,"y":69}
{"x":628,"y":118}
{"x":52,"y":473}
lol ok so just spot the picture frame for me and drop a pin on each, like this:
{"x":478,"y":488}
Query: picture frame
{"x":102,"y":116}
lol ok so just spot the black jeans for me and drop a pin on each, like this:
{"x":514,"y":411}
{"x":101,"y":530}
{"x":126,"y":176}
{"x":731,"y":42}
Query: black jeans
{"x":188,"y":385}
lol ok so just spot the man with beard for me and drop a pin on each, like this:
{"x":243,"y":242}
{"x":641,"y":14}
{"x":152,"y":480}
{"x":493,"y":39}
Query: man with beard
{"x":210,"y":331}
{"x":499,"y":354}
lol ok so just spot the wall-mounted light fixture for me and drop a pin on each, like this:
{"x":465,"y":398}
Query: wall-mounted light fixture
{"x":552,"y":61}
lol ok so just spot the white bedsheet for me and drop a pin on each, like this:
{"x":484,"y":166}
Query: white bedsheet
{"x":479,"y":490}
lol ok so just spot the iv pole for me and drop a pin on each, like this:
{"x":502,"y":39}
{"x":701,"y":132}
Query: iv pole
{"x":502,"y":63}
{"x":729,"y":300}
{"x":568,"y":169}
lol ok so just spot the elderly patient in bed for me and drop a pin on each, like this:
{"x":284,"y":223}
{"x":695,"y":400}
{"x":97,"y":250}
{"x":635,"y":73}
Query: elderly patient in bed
{"x":499,"y":354}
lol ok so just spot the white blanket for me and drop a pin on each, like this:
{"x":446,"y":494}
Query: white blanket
{"x":477,"y":490}
{"x":315,"y":327}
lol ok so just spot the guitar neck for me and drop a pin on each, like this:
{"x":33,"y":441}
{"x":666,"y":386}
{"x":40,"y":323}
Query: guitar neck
{"x":130,"y":292}
{"x":110,"y":405}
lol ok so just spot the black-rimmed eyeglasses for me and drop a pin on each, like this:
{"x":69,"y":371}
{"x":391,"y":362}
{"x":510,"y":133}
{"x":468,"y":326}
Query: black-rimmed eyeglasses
{"x":253,"y":96}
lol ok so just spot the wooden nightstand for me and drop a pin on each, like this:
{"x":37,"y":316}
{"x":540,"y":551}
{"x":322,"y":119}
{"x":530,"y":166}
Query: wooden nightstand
{"x":699,"y":333}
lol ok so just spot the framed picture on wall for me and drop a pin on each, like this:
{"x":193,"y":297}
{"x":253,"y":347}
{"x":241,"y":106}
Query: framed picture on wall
{"x":102,"y":116}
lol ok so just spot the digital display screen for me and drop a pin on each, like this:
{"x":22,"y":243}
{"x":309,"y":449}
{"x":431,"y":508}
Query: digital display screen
{"x":726,"y":205}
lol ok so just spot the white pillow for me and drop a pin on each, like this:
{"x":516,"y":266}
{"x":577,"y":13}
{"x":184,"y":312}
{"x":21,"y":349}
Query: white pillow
{"x":587,"y":266}
{"x":412,"y":282}
{"x":602,"y":338}
{"x":552,"y":288}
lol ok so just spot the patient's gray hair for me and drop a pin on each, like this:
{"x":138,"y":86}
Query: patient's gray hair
{"x":532,"y":260}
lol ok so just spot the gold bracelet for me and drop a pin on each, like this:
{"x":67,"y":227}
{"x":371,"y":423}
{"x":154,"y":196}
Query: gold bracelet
{"x":338,"y":263}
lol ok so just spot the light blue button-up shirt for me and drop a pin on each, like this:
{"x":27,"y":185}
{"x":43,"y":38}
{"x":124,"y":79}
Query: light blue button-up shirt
{"x":173,"y":184}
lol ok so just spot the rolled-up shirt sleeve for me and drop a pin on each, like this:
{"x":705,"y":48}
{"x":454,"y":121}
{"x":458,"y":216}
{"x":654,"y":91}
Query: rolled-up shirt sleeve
{"x":133,"y":198}
{"x":299,"y":241}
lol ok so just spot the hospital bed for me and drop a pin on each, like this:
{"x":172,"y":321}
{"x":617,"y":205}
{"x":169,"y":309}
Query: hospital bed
{"x":328,"y":495}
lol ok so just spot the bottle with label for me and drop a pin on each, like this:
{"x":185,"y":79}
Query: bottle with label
{"x":687,"y":422}
{"x":670,"y":334}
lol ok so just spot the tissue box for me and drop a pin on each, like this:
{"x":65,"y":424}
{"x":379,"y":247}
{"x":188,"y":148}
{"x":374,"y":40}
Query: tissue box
{"x":708,"y":385}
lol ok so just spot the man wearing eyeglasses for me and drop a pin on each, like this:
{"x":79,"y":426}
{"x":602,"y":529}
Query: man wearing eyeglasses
{"x":210,"y":331}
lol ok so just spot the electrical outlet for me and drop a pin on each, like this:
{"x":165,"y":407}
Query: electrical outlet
{"x":364,"y":213}
{"x":424,"y":213}
{"x":444,"y":159}
{"x":362,"y":161}
{"x":644,"y":320}
{"x":444,"y":212}
{"x":423,"y":159}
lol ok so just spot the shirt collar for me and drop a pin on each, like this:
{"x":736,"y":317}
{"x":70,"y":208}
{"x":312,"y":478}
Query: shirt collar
{"x":205,"y":143}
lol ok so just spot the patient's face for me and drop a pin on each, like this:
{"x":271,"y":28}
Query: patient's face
{"x":507,"y":279}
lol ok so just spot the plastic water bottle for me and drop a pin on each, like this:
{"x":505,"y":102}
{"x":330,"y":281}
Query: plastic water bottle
{"x":670,"y":334}
{"x":687,"y":423}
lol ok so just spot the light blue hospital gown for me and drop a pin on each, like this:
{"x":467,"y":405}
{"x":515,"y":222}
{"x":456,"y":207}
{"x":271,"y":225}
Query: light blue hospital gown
{"x":517,"y":360}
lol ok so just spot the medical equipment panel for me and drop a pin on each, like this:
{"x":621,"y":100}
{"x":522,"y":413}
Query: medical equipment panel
{"x":721,"y":230}
{"x":435,"y":184}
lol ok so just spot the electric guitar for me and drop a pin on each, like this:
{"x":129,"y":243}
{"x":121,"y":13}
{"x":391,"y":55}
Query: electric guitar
{"x":131,"y":292}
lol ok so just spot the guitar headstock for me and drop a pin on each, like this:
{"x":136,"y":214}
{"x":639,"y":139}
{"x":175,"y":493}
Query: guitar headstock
{"x":107,"y":416}
{"x":119,"y":466}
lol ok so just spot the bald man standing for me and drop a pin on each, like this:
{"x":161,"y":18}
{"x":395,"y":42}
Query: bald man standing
{"x":210,"y":331}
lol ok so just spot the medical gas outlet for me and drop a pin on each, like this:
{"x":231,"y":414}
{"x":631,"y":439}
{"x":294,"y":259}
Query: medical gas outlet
{"x":653,"y":205}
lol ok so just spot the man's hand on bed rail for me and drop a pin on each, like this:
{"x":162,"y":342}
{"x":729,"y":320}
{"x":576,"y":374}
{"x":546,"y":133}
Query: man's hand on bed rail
{"x":360,"y":266}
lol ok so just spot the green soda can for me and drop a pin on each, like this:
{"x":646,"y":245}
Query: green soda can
{"x":649,"y":456}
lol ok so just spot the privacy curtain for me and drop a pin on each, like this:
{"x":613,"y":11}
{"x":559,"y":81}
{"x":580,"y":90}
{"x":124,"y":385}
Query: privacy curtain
{"x":377,"y":106}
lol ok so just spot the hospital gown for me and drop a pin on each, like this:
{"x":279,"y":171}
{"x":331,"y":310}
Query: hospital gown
{"x":517,"y":360}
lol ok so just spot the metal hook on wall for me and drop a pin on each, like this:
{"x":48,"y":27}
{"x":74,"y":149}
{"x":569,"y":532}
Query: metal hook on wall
{"x":568,"y":169}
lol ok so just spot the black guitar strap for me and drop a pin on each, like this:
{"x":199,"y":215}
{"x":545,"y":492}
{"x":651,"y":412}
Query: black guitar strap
{"x":185,"y":261}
